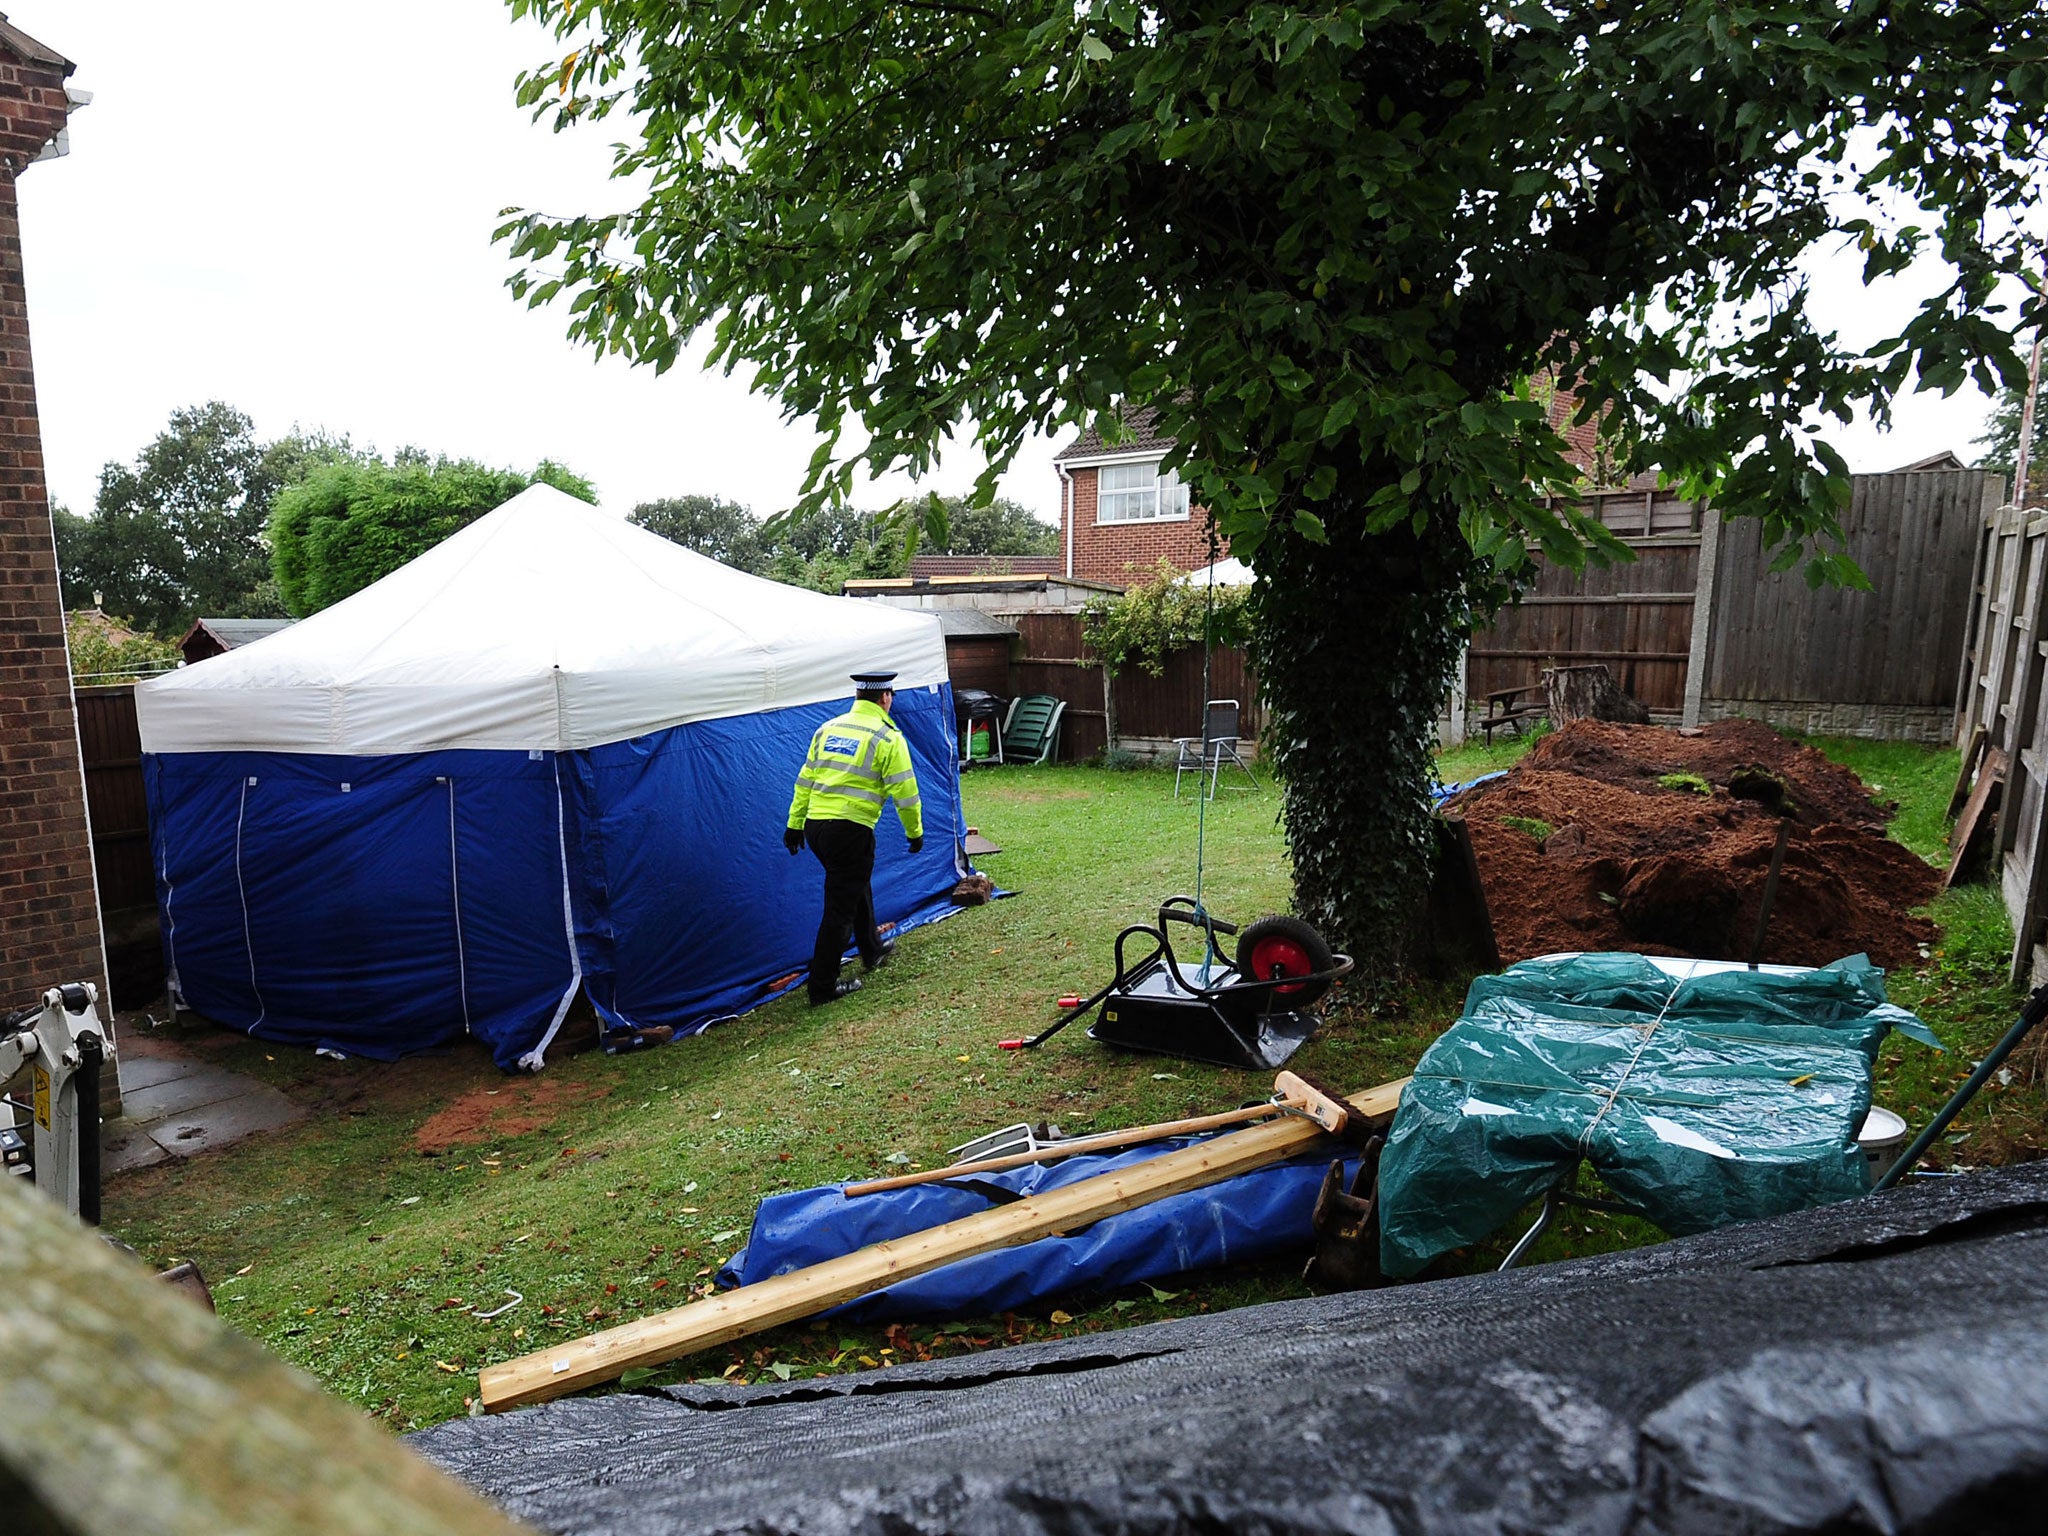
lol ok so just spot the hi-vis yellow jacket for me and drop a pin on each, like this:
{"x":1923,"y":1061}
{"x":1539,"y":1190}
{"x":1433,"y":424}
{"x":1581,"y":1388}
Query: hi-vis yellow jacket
{"x":858,"y":761}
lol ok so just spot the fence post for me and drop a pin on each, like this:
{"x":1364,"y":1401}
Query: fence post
{"x":1702,"y":617}
{"x":1454,"y":732}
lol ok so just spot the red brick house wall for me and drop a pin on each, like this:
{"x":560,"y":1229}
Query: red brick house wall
{"x":49,"y":911}
{"x":1127,"y":552}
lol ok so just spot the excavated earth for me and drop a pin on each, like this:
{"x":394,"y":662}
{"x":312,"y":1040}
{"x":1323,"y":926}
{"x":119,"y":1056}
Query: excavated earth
{"x":1631,"y":862}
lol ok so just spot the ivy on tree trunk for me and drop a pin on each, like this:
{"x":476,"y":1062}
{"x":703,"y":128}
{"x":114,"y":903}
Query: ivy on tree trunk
{"x":1356,"y":641}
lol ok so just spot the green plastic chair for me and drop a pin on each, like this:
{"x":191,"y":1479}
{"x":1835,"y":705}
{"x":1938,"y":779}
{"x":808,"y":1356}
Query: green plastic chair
{"x":1031,"y":730}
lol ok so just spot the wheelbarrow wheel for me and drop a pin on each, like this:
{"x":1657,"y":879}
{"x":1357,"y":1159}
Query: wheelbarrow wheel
{"x":1276,"y":947}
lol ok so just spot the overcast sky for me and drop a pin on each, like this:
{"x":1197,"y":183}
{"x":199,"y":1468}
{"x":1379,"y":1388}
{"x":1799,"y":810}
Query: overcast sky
{"x":288,"y":206}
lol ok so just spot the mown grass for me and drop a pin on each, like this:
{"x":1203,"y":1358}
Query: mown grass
{"x":358,"y":1258}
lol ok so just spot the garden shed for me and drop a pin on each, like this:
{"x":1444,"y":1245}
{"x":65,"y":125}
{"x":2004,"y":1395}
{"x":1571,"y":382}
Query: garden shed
{"x":552,"y":755}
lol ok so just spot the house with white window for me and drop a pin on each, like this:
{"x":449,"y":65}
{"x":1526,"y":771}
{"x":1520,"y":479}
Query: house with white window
{"x":1119,"y":515}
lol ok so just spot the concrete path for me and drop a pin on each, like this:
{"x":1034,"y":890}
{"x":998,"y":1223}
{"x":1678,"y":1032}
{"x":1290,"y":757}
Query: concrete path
{"x":175,"y":1105}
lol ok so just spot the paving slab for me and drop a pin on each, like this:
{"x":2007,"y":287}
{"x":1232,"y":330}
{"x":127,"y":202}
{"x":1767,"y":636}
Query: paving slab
{"x":201,"y":1086}
{"x":140,"y":1071}
{"x":125,"y":1145}
{"x":215,"y":1125}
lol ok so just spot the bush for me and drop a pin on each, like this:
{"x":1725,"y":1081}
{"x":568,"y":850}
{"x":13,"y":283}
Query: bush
{"x":1149,"y":622}
{"x":347,"y":525}
{"x":106,"y":651}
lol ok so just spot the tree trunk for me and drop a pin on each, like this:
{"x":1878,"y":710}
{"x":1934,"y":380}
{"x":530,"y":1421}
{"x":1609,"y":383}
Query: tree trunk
{"x":1109,"y":738}
{"x":1356,"y":641}
{"x":1590,"y":693}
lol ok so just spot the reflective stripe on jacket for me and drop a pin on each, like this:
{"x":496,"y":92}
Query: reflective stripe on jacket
{"x":857,"y":761}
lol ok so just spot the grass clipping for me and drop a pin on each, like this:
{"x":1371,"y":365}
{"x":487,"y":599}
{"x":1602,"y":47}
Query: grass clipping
{"x":1660,"y":842}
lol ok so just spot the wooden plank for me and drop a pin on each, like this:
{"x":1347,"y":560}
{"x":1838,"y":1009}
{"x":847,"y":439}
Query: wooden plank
{"x":1968,"y":837}
{"x":132,"y":1409}
{"x":602,"y":1357}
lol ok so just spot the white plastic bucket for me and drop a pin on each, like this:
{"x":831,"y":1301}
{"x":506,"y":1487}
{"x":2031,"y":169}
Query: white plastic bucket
{"x":1882,"y":1137}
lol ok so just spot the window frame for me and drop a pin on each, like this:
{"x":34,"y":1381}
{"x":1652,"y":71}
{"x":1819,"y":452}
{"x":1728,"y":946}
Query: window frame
{"x":1161,"y":485}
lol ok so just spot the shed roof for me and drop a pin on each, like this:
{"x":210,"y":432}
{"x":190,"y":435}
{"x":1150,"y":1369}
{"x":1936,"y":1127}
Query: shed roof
{"x":972,"y":621}
{"x":235,"y":632}
{"x":1948,"y":458}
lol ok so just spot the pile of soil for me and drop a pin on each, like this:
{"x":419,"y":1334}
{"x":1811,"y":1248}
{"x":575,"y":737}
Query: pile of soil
{"x":1637,"y":858}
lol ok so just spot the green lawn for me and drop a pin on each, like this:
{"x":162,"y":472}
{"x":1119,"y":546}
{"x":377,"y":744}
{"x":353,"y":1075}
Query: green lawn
{"x":607,"y":1188}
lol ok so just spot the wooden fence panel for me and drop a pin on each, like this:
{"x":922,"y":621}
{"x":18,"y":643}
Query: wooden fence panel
{"x":1635,"y":616}
{"x":1054,"y":659}
{"x":1881,"y":661}
{"x":2000,"y":706}
{"x":119,"y":812}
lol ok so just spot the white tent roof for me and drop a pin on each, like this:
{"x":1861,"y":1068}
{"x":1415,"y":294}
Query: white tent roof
{"x":1227,"y":573}
{"x":547,"y":623}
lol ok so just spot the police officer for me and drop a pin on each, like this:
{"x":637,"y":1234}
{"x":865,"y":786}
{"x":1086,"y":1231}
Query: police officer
{"x":857,"y":761}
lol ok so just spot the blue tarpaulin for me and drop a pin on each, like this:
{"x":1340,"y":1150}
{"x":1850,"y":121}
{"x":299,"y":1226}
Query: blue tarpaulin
{"x":1252,"y":1216}
{"x":379,"y":906}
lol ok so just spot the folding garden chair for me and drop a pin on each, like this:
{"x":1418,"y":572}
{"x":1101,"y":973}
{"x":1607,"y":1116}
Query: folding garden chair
{"x":1031,"y":730}
{"x":1208,"y":752}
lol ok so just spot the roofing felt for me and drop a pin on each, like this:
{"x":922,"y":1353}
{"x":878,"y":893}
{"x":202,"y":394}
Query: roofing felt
{"x":972,"y":621}
{"x":236,"y":632}
{"x":924,"y":567}
{"x":1140,"y":436}
{"x":1876,"y":1364}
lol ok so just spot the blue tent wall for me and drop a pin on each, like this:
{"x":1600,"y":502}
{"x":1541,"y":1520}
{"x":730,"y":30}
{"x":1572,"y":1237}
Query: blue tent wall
{"x":688,"y":908}
{"x":314,"y":899}
{"x":424,"y":899}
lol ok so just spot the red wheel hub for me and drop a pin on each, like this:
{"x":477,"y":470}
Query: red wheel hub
{"x":1278,"y":956}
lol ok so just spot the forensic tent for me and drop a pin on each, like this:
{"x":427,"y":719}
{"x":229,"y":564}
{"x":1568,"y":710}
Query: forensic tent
{"x":552,"y":754}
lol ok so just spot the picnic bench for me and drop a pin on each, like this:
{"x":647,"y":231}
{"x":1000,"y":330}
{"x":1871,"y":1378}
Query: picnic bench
{"x":1514,"y":707}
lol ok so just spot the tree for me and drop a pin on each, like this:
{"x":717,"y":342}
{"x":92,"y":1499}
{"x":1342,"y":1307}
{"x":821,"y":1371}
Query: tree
{"x":180,"y":533}
{"x":2001,"y":441}
{"x":105,"y":650}
{"x":347,"y":524}
{"x":725,"y":530}
{"x":834,"y":544}
{"x":999,"y":527}
{"x":1325,"y":244}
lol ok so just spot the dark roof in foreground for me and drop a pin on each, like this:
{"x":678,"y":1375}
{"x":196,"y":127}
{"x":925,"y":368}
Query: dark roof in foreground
{"x":1140,"y":436}
{"x":1875,"y":1364}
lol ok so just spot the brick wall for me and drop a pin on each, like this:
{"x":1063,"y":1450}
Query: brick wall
{"x":49,"y":913}
{"x":1582,"y":442}
{"x":1127,"y":552}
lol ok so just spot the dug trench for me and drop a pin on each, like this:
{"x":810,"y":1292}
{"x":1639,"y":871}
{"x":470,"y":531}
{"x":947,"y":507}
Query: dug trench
{"x":1636,"y":837}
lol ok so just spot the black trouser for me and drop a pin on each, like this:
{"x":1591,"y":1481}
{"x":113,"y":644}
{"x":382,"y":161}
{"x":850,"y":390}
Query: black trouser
{"x":847,"y":850}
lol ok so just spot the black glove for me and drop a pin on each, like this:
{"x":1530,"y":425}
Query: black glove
{"x":793,"y":839}
{"x":917,"y":845}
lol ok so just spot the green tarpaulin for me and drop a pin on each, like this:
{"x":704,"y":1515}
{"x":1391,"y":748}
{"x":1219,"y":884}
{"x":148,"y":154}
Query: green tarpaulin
{"x":1702,"y":1092}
